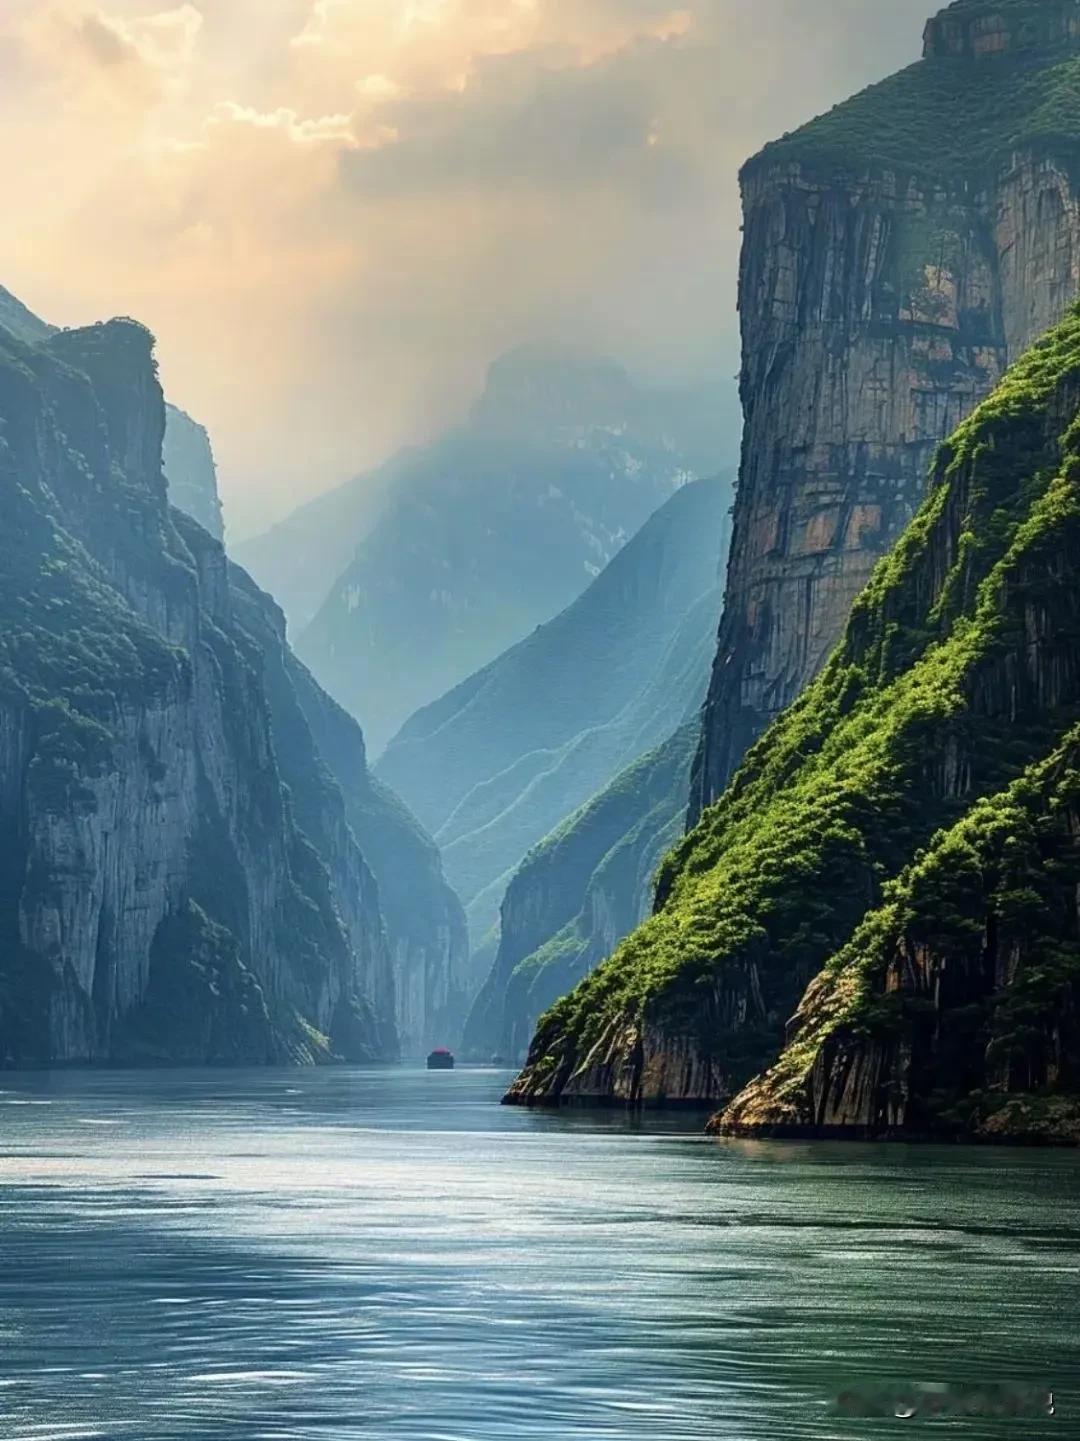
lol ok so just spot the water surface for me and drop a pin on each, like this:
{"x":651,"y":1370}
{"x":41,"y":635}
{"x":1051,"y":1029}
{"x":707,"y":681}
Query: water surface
{"x":336,"y":1255}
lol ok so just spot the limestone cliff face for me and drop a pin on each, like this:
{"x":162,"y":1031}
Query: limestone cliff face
{"x":178,"y":879}
{"x":188,"y":458}
{"x":976,"y":29}
{"x":880,"y":300}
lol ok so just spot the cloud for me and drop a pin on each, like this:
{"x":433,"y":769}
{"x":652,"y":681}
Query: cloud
{"x":333,"y":213}
{"x":166,"y":40}
{"x":518,"y":121}
{"x":301,"y":131}
{"x":88,"y":54}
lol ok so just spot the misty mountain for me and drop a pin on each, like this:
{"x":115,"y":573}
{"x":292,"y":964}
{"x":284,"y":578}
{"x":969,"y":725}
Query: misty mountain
{"x":301,"y":557}
{"x":17,"y":320}
{"x":188,"y":458}
{"x":442,"y":560}
{"x":579,"y":893}
{"x":505,"y":757}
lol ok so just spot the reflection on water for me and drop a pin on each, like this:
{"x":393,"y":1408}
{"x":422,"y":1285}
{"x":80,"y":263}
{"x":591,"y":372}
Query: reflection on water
{"x":389,"y":1254}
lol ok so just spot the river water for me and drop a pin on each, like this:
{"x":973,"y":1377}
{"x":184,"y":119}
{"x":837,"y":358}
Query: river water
{"x":389,"y":1253}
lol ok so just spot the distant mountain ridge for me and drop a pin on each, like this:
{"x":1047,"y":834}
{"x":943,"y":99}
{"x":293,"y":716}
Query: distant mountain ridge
{"x":506,"y":756}
{"x":578,"y":893}
{"x":450,"y":554}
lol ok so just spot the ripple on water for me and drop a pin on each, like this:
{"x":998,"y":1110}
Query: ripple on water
{"x":395,"y":1256}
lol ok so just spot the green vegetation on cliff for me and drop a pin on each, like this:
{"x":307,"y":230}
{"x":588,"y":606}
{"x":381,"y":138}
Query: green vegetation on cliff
{"x":971,"y":964}
{"x":950,"y":117}
{"x":958,"y":673}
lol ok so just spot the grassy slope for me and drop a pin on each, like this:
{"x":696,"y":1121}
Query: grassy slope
{"x":846,"y":787}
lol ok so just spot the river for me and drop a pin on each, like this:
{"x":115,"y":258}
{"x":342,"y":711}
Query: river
{"x":388,"y":1253}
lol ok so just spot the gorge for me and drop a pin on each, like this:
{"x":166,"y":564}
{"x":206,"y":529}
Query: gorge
{"x":541,"y":589}
{"x":552,"y":938}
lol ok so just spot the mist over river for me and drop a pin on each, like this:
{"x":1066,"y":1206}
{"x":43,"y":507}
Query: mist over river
{"x":363,"y":1253}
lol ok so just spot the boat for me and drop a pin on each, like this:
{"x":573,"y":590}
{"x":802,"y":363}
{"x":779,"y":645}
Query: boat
{"x":440,"y":1060}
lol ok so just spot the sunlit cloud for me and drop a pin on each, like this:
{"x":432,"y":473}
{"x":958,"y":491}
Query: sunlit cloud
{"x":333,"y":213}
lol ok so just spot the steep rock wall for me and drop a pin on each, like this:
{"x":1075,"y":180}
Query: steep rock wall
{"x":161,"y":900}
{"x":190,"y":470}
{"x":425,"y":921}
{"x":880,"y":300}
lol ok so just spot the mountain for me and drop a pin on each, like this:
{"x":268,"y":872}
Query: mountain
{"x":188,"y":458}
{"x":898,"y":253}
{"x":472,"y":542}
{"x":179,"y":878}
{"x":299,"y":559}
{"x":506,"y":756}
{"x":579,"y":892}
{"x":20,"y":322}
{"x":900,"y":848}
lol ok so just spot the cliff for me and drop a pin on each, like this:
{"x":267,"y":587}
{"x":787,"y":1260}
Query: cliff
{"x":505,"y":757}
{"x":898,"y":253}
{"x":180,"y":881}
{"x":488,"y":532}
{"x":188,"y":459}
{"x":903,"y":837}
{"x":578,"y":893}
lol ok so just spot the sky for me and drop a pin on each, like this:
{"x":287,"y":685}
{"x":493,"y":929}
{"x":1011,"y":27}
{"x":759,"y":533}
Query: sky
{"x":334,"y":214}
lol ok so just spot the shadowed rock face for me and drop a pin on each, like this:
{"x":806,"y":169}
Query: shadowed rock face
{"x":977,"y":29}
{"x":886,"y":283}
{"x":188,"y":458}
{"x":180,"y":880}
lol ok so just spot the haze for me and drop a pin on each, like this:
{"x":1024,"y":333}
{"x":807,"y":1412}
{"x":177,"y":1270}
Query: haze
{"x":334,"y":213}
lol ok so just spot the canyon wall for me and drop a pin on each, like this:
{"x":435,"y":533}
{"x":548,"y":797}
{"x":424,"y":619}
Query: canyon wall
{"x":888,"y":277}
{"x":180,"y":881}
